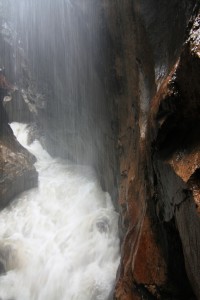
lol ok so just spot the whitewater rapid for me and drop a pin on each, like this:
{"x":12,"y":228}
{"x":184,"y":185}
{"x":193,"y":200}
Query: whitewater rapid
{"x":58,"y":241}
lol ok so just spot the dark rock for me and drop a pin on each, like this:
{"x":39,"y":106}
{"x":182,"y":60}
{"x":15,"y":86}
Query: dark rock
{"x":156,"y":141}
{"x":17,"y":172}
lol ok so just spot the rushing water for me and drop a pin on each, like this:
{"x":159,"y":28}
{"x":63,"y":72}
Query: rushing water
{"x":60,"y":240}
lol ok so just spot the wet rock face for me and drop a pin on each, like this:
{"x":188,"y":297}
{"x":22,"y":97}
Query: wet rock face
{"x":17,"y":172}
{"x":178,"y":116}
{"x":157,"y":145}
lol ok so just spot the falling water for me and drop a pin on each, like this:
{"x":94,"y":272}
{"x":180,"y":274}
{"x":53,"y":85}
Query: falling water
{"x":60,"y":240}
{"x":63,"y":42}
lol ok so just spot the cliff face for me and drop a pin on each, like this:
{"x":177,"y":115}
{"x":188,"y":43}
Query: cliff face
{"x":158,"y":147}
{"x":176,"y":159}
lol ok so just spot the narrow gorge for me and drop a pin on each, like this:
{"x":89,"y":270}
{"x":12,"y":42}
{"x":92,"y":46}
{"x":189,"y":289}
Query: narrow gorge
{"x":99,"y":150}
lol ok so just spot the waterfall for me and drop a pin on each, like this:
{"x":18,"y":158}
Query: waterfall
{"x":58,"y":241}
{"x":56,"y":54}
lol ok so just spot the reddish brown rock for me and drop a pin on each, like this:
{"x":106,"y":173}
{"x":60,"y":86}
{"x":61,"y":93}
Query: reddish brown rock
{"x":178,"y":147}
{"x":150,"y":267}
{"x":158,"y":116}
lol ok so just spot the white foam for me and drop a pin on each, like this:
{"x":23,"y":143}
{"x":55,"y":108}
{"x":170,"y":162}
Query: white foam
{"x":63,"y":235}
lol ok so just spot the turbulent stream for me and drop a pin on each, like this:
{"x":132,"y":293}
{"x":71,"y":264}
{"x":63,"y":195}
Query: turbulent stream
{"x":60,"y":240}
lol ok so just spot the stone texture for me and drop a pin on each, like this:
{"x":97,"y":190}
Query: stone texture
{"x":179,"y":108}
{"x":17,"y":172}
{"x":153,"y":123}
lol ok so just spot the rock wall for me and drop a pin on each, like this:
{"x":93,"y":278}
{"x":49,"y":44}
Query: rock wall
{"x":17,"y":172}
{"x":158,"y":147}
{"x":178,"y":118}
